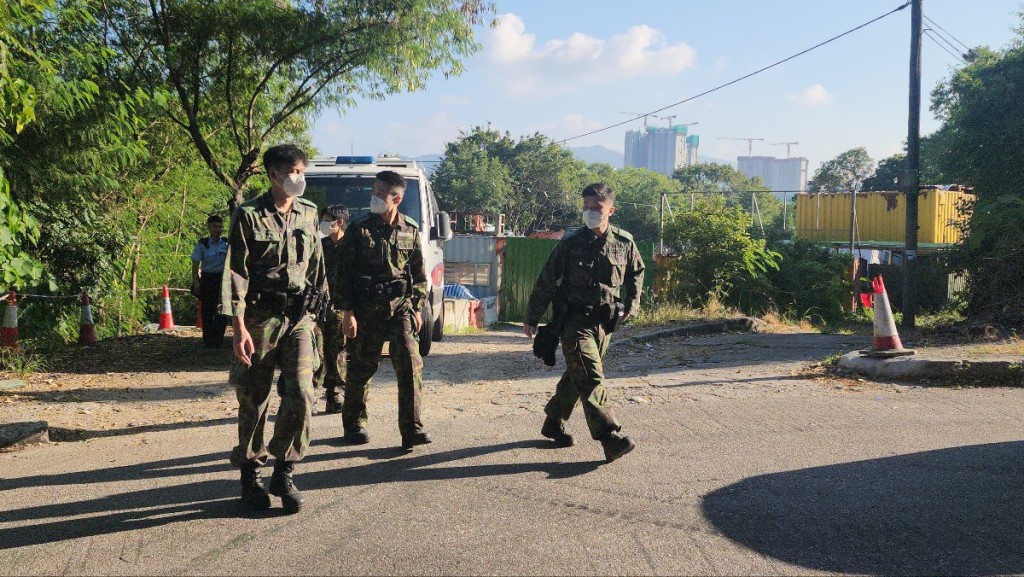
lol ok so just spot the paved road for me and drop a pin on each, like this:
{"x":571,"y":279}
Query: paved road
{"x":745,"y":465}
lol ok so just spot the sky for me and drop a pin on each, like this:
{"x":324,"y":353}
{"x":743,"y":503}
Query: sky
{"x":568,"y":67}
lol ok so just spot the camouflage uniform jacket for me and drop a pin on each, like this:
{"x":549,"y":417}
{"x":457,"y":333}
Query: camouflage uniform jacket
{"x":374,"y":251}
{"x":271,"y":252}
{"x":332,"y":258}
{"x":587,"y":270}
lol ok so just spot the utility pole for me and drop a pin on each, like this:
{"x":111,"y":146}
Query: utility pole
{"x":661,"y":225}
{"x":912,"y":172}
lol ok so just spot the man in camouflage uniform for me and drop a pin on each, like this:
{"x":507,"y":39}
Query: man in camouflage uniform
{"x":380,"y":290}
{"x":274,"y":261}
{"x":586,"y":275}
{"x":332,"y":372}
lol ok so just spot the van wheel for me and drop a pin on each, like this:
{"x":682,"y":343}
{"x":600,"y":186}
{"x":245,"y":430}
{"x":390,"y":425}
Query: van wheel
{"x":425,"y":330}
{"x":439,"y":325}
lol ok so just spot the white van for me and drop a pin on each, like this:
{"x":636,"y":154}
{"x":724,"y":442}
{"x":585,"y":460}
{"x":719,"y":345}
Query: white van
{"x":348,"y":180}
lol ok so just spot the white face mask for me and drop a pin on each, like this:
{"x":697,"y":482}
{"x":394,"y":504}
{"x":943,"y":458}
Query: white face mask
{"x":593,"y":218}
{"x":377,"y":205}
{"x":294,"y":184}
{"x":327,"y":227}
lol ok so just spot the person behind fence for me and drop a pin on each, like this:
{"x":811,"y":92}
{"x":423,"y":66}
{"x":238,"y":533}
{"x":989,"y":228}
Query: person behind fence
{"x":207,"y":269}
{"x":380,"y":290}
{"x":275,"y":286}
{"x":332,"y":372}
{"x":593,"y":279}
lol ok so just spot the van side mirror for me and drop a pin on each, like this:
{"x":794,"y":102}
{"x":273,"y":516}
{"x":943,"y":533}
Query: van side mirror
{"x":443,"y":230}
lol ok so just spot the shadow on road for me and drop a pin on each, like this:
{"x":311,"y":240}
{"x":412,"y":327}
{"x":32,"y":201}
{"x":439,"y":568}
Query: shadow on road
{"x":61,"y":434}
{"x":953,"y":511}
{"x":218,"y":498}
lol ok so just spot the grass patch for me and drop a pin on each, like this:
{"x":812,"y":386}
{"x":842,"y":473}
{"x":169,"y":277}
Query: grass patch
{"x":21,"y":362}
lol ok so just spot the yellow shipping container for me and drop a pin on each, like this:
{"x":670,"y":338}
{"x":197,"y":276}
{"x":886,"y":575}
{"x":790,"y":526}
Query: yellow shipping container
{"x":881,"y":216}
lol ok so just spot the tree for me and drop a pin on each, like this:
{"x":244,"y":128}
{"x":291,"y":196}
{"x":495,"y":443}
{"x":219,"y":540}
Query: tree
{"x":886,"y":175}
{"x":717,"y":252}
{"x":979,"y":144}
{"x":736,"y":188}
{"x":533,"y":181}
{"x":845,"y":172}
{"x":232,"y":74}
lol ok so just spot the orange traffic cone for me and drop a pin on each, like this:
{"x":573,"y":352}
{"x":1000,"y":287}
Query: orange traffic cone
{"x":9,"y":331}
{"x":86,"y":328}
{"x":199,"y":314}
{"x":886,"y":342}
{"x":166,"y":318}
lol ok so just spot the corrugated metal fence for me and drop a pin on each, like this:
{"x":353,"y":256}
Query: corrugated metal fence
{"x":524,"y":259}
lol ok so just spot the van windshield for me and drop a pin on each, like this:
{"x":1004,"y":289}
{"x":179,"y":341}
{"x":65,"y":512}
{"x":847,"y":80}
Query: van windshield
{"x":354,"y":192}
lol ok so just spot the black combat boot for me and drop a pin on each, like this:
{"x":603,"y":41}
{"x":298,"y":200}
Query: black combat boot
{"x":333,"y":402}
{"x":358,"y":436}
{"x":415,"y":438}
{"x":616,"y":445}
{"x":282,"y":485}
{"x":555,"y":430}
{"x":254,"y":498}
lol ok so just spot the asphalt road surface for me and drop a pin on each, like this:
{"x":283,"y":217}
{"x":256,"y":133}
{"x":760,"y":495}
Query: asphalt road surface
{"x":747,"y":463}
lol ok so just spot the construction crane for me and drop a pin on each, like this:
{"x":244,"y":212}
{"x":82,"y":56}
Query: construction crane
{"x":672,"y":117}
{"x":787,"y":145}
{"x":750,"y":142}
{"x":641,"y":114}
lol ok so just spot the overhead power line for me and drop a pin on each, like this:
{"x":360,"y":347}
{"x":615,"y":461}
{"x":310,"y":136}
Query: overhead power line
{"x":929,"y":33}
{"x":741,"y":78}
{"x":948,"y":33}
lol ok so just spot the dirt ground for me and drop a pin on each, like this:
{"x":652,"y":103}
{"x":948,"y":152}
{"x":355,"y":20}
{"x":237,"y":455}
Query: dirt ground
{"x":159,"y":381}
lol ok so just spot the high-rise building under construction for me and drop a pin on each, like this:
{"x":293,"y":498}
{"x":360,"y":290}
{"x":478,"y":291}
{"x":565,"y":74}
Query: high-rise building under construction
{"x":661,"y":149}
{"x":782,"y":175}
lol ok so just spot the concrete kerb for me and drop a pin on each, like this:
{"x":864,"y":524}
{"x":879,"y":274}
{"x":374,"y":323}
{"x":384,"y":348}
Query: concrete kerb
{"x":731,"y":325}
{"x":999,"y":372}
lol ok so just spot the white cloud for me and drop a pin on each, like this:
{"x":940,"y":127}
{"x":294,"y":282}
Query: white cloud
{"x":421,"y":136}
{"x":814,"y":95}
{"x":560,"y":65}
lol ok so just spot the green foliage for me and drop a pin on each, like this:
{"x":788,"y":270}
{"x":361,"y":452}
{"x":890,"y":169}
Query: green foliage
{"x":21,"y":362}
{"x":717,"y":253}
{"x":810,"y":283}
{"x":846,"y":172}
{"x":18,"y":231}
{"x":235,"y":73}
{"x":886,"y":174}
{"x":750,"y":194}
{"x":979,"y":144}
{"x":533,"y":181}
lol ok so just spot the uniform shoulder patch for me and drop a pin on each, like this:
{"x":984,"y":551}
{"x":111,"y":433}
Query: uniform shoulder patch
{"x":411,"y":222}
{"x":624,"y":235}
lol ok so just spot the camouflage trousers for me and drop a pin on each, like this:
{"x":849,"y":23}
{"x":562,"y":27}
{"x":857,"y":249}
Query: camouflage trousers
{"x":277,"y":343}
{"x":584,"y":344}
{"x":374,"y":327}
{"x":334,"y":369}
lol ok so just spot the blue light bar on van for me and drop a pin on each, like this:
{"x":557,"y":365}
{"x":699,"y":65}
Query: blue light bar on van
{"x":354,"y":160}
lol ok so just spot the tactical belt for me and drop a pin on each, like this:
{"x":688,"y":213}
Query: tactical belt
{"x":279,"y":302}
{"x":390,"y":288}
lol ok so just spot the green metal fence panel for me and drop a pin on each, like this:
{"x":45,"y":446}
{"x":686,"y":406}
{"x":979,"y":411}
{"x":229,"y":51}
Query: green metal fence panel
{"x":525,"y":257}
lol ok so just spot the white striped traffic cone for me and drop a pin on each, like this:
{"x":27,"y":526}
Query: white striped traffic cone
{"x":886,"y":342}
{"x":166,"y":318}
{"x":9,"y":331}
{"x":86,"y":328}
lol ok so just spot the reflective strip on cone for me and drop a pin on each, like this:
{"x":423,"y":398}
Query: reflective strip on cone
{"x":9,"y":330}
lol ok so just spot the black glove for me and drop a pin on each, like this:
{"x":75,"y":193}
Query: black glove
{"x":545,"y":342}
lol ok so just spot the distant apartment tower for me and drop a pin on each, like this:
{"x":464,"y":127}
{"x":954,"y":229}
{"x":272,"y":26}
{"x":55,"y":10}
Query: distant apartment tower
{"x":783,"y":175}
{"x":661,"y":149}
